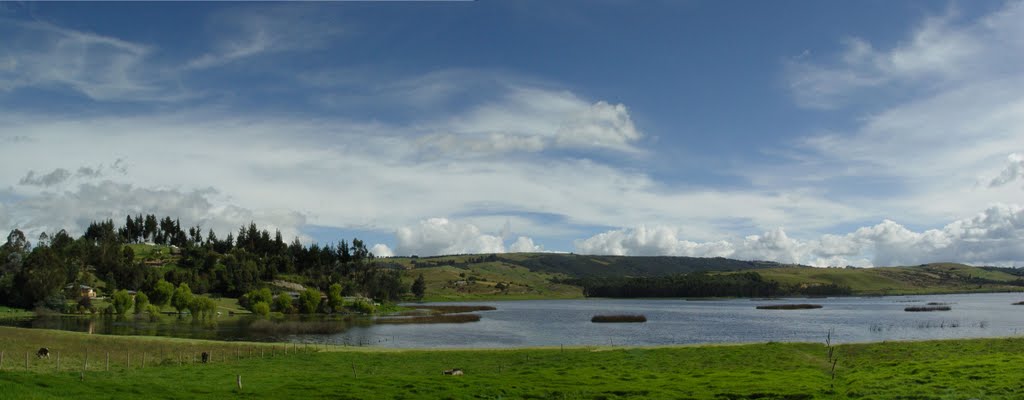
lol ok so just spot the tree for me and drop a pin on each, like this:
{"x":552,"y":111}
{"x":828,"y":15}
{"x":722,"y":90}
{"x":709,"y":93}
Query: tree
{"x":42,"y":276}
{"x":182,"y":298}
{"x":162,"y":293}
{"x":121,"y":301}
{"x":141,"y":302}
{"x":309,"y":300}
{"x":202,"y":306}
{"x":334,"y":299}
{"x":419,"y":287}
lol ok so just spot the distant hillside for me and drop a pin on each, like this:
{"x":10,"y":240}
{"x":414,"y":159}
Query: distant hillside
{"x":588,"y":266}
{"x":927,"y":278}
{"x":543,"y":275}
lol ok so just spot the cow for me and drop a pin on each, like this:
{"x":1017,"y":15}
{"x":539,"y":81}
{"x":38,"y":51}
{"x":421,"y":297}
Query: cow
{"x":43,"y":353}
{"x":455,"y":371}
{"x":206,"y":357}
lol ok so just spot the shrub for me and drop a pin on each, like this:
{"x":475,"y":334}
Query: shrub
{"x":162,"y":293}
{"x":334,"y":299}
{"x":202,"y":306}
{"x":121,"y":301}
{"x":182,"y":298}
{"x":309,"y":300}
{"x":363,"y":306}
{"x":141,"y":302}
{"x":262,"y":308}
{"x":283,"y":303}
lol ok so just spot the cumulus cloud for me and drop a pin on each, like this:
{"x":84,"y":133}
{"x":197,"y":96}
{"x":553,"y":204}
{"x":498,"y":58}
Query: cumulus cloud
{"x":74,"y":209}
{"x":1014,"y":170}
{"x":437,"y":236}
{"x":992,"y":237}
{"x":524,"y":244}
{"x":382,"y":250}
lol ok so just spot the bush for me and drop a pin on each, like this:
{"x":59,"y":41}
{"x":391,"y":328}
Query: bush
{"x":261,"y":308}
{"x":283,"y":303}
{"x":141,"y":302}
{"x":309,"y":300}
{"x":162,"y":293}
{"x":182,"y":298}
{"x":202,"y":306}
{"x":363,"y":306}
{"x":334,"y":299}
{"x":121,"y":301}
{"x":250,"y":299}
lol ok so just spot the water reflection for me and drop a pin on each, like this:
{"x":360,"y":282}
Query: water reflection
{"x":567,"y":322}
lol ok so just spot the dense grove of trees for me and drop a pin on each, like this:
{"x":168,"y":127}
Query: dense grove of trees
{"x":48,"y":272}
{"x":745,"y":284}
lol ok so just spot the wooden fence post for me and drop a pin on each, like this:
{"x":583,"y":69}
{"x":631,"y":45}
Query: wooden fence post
{"x":128,"y":358}
{"x":1,"y":360}
{"x":108,"y":361}
{"x":26,"y":360}
{"x":58,"y":361}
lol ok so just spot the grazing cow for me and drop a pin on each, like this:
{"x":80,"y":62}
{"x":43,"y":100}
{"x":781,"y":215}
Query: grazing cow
{"x":206,"y":357}
{"x":455,"y":371}
{"x":43,"y":353}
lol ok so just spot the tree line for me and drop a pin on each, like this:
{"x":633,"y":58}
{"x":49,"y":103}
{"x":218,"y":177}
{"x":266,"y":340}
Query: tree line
{"x":49,"y":272}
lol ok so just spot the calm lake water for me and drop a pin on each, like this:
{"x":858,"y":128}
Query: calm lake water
{"x":567,"y":322}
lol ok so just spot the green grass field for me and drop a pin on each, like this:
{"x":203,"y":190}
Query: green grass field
{"x":961,"y":369}
{"x":479,"y":281}
{"x":924,"y":279}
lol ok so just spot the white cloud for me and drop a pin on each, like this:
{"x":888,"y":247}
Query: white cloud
{"x":38,"y":54}
{"x":533,"y":119}
{"x":436,"y":236}
{"x":382,"y":250}
{"x":944,"y":105}
{"x":993,"y":237}
{"x":263,"y":30}
{"x":1014,"y":170}
{"x":74,"y":209}
{"x":940,"y":51}
{"x":524,"y":244}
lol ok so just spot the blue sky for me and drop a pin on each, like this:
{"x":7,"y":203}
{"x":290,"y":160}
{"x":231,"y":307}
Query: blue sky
{"x":868,"y":133}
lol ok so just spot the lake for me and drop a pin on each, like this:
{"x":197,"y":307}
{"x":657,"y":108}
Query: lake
{"x":669,"y":321}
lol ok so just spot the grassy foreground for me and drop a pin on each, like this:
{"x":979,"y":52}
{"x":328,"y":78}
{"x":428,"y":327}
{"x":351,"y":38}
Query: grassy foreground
{"x":961,"y":369}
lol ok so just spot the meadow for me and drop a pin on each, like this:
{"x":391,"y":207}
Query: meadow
{"x":978,"y":368}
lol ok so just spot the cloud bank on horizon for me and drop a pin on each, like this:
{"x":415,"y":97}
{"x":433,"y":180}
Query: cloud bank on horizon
{"x":891,"y":141}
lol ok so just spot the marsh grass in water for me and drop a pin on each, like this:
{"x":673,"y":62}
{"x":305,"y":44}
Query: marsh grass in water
{"x":789,"y":307}
{"x":927,"y":308}
{"x":430,"y":319}
{"x":453,"y":309}
{"x":618,"y":318}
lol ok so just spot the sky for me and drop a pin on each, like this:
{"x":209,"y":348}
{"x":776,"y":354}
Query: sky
{"x":863,"y":133}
